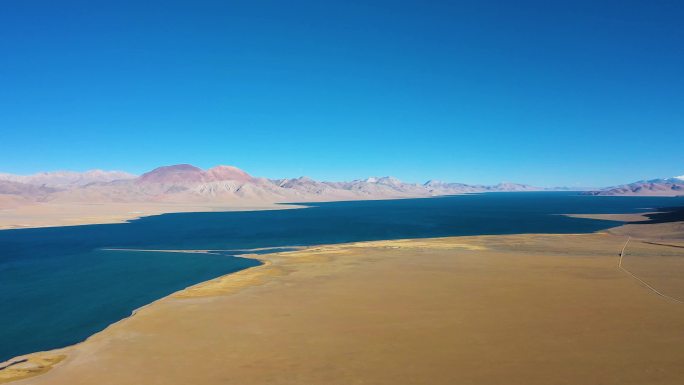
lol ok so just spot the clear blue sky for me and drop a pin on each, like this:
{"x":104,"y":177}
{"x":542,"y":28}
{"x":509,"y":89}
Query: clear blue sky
{"x":578,"y":93}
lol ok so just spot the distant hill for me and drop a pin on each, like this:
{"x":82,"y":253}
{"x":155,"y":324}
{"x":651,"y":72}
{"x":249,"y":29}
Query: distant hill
{"x":222,"y":184}
{"x":654,"y":187}
{"x":13,"y":194}
{"x":24,"y":189}
{"x":67,"y":178}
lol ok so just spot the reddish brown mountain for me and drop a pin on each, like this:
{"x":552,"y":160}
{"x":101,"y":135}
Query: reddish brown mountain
{"x":186,"y":174}
{"x":219,"y":173}
{"x":176,"y":174}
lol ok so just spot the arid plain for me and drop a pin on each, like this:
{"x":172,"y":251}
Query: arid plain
{"x":518,"y":309}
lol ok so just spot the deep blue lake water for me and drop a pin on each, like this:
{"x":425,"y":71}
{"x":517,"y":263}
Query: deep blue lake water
{"x":57,"y":285}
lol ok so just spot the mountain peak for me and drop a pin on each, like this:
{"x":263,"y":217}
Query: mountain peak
{"x":189,"y":174}
{"x":389,"y":180}
{"x":434,"y":182}
{"x":182,"y":167}
{"x":228,"y":173}
{"x":178,"y":173}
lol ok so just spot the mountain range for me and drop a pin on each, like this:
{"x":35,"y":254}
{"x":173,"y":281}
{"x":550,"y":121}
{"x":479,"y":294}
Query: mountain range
{"x":654,"y":187}
{"x":64,"y":179}
{"x":184,"y":183}
{"x":222,"y":184}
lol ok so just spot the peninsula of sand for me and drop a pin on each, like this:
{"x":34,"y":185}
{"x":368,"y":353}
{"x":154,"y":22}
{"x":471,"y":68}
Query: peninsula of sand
{"x":601,"y":308}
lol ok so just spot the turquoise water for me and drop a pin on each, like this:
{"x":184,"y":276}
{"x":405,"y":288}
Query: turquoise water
{"x":58,"y":285}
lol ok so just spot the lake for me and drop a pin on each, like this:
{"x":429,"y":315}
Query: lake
{"x":58,"y":285}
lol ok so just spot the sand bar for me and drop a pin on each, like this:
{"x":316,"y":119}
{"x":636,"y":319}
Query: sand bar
{"x":72,"y":214}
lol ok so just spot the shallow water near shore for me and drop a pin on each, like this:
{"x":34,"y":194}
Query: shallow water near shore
{"x":60,"y":285}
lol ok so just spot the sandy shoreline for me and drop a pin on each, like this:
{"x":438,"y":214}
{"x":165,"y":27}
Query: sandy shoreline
{"x":75,"y":214}
{"x":517,"y":309}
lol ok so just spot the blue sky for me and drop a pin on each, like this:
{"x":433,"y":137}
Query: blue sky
{"x":577,"y":93}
